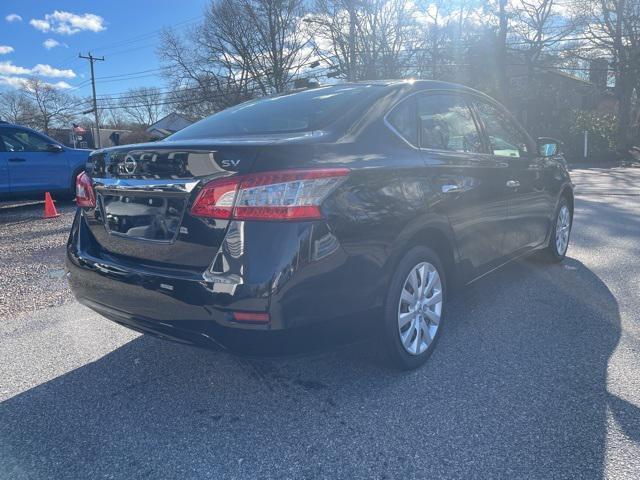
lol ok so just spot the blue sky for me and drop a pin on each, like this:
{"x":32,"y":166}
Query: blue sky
{"x":43,"y":38}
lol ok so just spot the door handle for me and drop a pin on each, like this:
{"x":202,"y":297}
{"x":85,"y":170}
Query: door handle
{"x":17,"y":159}
{"x":513,"y":183}
{"x":451,"y":188}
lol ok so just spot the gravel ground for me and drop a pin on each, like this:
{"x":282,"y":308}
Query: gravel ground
{"x":32,"y":257}
{"x":537,"y":375}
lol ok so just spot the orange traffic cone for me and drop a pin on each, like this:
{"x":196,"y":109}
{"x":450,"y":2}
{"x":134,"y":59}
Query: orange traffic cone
{"x":49,"y":208}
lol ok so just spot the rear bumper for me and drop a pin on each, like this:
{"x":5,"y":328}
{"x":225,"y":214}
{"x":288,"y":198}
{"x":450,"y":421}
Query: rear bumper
{"x":140,"y":301}
{"x":292,"y":271}
{"x":177,"y":331}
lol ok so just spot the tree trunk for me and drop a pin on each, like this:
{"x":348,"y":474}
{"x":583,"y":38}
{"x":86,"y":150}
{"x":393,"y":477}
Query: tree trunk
{"x":351,"y":74}
{"x":623,"y":90}
{"x":501,"y":61}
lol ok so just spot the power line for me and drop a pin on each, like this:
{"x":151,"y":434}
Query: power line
{"x":194,"y":101}
{"x":105,"y":48}
{"x":253,"y":77}
{"x":210,"y":97}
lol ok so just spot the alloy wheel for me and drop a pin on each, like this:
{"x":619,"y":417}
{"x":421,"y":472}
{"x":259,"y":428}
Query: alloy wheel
{"x":563,"y":227}
{"x":420,"y":308}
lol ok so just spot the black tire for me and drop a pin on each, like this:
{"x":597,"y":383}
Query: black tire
{"x":72,"y":188}
{"x":551,"y":253}
{"x":389,"y":338}
{"x":71,"y":193}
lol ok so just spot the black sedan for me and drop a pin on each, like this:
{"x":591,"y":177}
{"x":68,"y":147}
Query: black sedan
{"x":295,"y":209}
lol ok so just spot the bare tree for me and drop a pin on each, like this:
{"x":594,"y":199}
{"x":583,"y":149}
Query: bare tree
{"x":144,"y":105}
{"x":613,"y":28}
{"x":538,"y":26}
{"x":538,"y":29}
{"x":52,"y":106}
{"x":111,"y":114}
{"x":15,"y":108}
{"x":333,"y":22}
{"x":243,"y":48}
{"x":385,"y":31}
{"x":435,"y":39}
{"x":278,"y":47}
{"x":365,"y":39}
{"x":501,"y":51}
{"x":201,"y":81}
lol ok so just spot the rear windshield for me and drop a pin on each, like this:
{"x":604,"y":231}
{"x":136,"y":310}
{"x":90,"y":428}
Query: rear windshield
{"x":294,"y":112}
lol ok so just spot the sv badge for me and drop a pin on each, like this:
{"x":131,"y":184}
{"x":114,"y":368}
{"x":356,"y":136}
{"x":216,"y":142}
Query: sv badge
{"x":230,"y":163}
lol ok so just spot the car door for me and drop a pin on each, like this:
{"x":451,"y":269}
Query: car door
{"x":4,"y":170}
{"x":471,"y":182}
{"x":32,"y":165}
{"x":528,"y":198}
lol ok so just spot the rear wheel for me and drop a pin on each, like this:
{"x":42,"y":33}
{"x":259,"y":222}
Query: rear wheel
{"x":72,"y":187}
{"x":71,"y":193}
{"x":414,"y":308}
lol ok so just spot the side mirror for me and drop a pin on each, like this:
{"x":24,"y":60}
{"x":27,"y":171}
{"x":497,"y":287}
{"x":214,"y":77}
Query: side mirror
{"x":54,"y":148}
{"x":548,"y":147}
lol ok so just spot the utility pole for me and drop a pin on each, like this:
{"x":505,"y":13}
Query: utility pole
{"x":93,"y":59}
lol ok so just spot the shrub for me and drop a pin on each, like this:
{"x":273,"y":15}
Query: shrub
{"x":601,"y":128}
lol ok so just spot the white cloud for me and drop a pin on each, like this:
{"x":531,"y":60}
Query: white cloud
{"x":60,"y":85}
{"x":67,"y":23}
{"x":41,"y":25}
{"x":8,"y":68}
{"x":20,"y":82}
{"x":50,"y":43}
{"x":15,"y":82}
{"x":13,"y":17}
{"x":4,"y":49}
{"x":49,"y":71}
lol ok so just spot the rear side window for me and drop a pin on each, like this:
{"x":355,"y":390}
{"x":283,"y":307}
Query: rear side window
{"x":22,"y":141}
{"x":403,"y":118}
{"x":446,"y":123}
{"x":505,"y":138}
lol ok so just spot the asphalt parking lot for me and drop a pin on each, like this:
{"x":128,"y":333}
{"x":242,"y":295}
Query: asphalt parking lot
{"x":537,"y":375}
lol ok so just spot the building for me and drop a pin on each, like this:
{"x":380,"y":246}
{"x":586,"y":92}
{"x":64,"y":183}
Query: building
{"x":168,"y":125}
{"x":546,"y":101}
{"x":86,"y":137}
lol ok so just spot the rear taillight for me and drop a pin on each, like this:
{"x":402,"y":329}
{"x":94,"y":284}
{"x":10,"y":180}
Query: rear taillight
{"x":216,"y":199}
{"x":85,"y":196}
{"x":281,"y":195}
{"x":250,"y":317}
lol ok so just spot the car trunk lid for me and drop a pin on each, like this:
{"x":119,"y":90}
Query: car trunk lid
{"x":143,"y":196}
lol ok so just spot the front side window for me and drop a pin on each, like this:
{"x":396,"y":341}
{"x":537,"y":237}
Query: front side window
{"x":505,"y":138}
{"x":446,"y":123}
{"x":23,"y":141}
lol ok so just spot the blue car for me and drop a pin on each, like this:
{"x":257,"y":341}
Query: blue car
{"x":32,"y":163}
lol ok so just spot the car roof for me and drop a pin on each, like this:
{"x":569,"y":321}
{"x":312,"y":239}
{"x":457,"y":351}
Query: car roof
{"x":22,"y":127}
{"x":416,"y":85}
{"x":13,"y":125}
{"x":27,"y":129}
